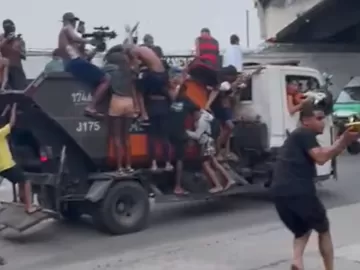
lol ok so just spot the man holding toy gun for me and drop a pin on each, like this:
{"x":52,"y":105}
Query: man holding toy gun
{"x":72,"y":47}
{"x":294,"y":190}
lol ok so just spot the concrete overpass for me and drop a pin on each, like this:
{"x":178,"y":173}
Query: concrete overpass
{"x":309,"y":21}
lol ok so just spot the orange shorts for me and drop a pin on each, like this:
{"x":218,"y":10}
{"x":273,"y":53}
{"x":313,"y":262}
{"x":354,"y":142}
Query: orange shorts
{"x":121,"y":106}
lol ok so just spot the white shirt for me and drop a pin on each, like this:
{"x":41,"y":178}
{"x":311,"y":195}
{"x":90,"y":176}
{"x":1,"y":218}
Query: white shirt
{"x":234,"y":56}
{"x":225,"y":86}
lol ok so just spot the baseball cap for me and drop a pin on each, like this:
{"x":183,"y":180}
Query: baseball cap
{"x":7,"y":21}
{"x":69,"y":16}
{"x":148,"y":37}
{"x":205,"y":30}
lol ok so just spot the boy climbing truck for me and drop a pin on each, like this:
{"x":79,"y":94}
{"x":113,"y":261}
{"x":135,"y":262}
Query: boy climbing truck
{"x":8,"y":168}
{"x":72,"y":161}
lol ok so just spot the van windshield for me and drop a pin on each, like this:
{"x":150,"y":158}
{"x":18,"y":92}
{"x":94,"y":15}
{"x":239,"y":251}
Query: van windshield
{"x":349,"y":95}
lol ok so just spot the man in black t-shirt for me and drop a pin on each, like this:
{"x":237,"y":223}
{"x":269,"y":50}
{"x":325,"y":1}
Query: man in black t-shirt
{"x":294,"y":190}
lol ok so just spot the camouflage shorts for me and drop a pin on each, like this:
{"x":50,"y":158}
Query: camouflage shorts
{"x":208,"y":149}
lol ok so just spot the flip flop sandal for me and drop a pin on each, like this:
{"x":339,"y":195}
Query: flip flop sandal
{"x":34,"y":210}
{"x":93,"y":114}
{"x":183,"y":193}
{"x":169,"y":168}
{"x":129,"y":170}
{"x":120,"y":172}
{"x":144,"y":123}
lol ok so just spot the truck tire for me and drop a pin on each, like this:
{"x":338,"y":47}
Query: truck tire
{"x":71,"y":211}
{"x":124,"y":209}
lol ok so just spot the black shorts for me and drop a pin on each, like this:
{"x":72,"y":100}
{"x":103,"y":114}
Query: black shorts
{"x":302,"y":214}
{"x":158,"y":127}
{"x":17,"y":78}
{"x":14,"y":175}
{"x":179,"y":146}
{"x":204,"y":72}
{"x":85,"y":72}
{"x":152,"y":83}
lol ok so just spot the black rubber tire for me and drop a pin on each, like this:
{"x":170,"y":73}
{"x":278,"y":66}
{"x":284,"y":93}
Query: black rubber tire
{"x":71,"y":212}
{"x":135,"y":219}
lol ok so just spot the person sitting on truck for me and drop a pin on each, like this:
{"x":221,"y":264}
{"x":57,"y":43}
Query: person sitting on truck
{"x":71,"y":45}
{"x":152,"y":82}
{"x":121,"y":108}
{"x":210,"y":164}
{"x":294,"y":103}
{"x":8,"y":168}
{"x":205,"y":65}
{"x":181,"y":107}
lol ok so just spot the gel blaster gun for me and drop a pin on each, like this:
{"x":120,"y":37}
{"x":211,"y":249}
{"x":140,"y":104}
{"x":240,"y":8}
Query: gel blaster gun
{"x":99,"y":37}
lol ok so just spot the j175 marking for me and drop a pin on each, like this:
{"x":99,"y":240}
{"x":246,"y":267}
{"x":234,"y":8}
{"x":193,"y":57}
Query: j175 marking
{"x":88,"y":126}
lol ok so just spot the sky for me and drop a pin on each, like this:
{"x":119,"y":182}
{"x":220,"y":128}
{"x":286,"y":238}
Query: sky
{"x":174,"y":24}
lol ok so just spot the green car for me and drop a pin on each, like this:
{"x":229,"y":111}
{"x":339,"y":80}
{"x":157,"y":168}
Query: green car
{"x":347,"y":106}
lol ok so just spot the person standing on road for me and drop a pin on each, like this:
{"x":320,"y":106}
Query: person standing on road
{"x":233,"y":55}
{"x":294,"y":190}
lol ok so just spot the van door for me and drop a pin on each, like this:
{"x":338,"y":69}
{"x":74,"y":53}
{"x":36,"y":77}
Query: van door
{"x":305,"y":77}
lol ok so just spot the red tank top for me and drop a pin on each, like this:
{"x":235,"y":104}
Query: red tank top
{"x":209,"y":49}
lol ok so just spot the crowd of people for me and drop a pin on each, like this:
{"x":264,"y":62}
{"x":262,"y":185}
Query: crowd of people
{"x":142,"y":86}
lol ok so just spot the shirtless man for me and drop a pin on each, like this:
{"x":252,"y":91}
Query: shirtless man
{"x":12,"y":50}
{"x":71,"y":47}
{"x":152,"y":84}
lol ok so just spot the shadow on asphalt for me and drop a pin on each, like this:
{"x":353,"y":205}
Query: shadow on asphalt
{"x":163,"y":215}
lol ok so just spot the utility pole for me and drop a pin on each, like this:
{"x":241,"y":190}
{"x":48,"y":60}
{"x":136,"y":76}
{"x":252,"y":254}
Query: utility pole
{"x":247,"y":28}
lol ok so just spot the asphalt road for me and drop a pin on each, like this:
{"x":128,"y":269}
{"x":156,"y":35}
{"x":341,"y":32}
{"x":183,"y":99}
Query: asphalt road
{"x":54,"y":244}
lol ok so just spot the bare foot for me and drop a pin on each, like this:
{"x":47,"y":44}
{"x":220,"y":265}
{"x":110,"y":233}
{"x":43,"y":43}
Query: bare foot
{"x":180,"y":191}
{"x":33,"y":209}
{"x":215,"y":189}
{"x":231,"y":156}
{"x":229,"y":184}
{"x":120,"y":170}
{"x":168,"y":167}
{"x":154,"y":167}
{"x":129,"y":169}
{"x":90,"y":112}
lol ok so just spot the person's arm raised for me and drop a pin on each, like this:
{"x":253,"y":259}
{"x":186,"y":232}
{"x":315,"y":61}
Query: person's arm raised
{"x":5,"y":111}
{"x":197,"y":50}
{"x":75,"y":37}
{"x":13,"y":115}
{"x":321,"y":155}
{"x":201,"y":128}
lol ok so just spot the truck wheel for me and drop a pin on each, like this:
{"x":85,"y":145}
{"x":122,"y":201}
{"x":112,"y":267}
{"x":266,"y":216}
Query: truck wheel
{"x":71,"y":212}
{"x":125,"y":209}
